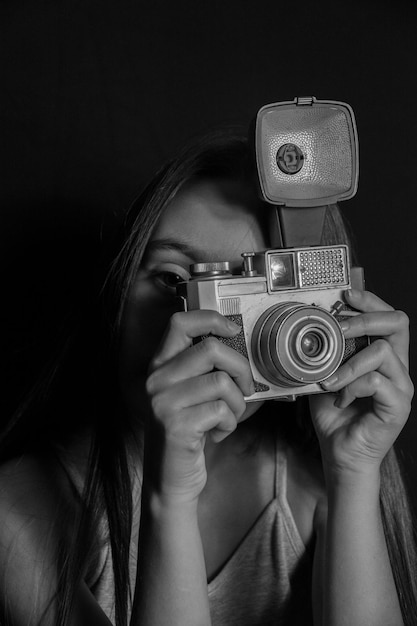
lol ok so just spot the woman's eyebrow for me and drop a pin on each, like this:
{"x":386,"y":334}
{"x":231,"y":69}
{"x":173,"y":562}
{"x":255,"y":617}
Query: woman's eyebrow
{"x":177,"y":246}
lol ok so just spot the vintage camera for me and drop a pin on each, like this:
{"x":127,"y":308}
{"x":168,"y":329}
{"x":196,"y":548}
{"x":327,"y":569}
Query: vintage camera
{"x":289,"y":300}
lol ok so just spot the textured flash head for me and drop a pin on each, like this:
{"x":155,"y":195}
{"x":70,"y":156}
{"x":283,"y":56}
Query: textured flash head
{"x":306,"y":152}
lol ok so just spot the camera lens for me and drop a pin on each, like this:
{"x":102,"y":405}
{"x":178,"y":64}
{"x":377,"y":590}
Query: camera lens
{"x":311,"y":344}
{"x":296,"y":344}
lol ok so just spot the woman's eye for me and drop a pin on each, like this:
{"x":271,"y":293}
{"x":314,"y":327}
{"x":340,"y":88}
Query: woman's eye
{"x":168,"y":281}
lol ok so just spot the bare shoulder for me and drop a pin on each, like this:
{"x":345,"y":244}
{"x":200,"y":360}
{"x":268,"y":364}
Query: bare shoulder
{"x":39,"y":510}
{"x":36,"y":513}
{"x":33,"y":485}
{"x":306,"y":491}
{"x":40,"y":481}
{"x":37,"y":506}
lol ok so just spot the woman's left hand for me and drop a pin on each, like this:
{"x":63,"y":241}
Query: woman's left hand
{"x":370,"y":394}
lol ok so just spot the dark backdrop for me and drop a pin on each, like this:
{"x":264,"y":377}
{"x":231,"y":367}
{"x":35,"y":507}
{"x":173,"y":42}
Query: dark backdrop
{"x":95,"y":94}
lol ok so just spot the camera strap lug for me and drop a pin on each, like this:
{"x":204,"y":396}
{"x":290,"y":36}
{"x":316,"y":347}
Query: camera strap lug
{"x":304,"y":100}
{"x":337,"y":308}
{"x":248,"y":269}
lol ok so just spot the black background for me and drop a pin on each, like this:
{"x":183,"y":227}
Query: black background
{"x":95,"y":94}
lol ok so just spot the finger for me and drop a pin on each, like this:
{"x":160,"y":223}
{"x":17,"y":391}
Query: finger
{"x":391,"y":325}
{"x":202,"y":389}
{"x":213,"y":417}
{"x":202,"y":358}
{"x":381,"y":324}
{"x":185,"y":326}
{"x":195,"y":422}
{"x":366,"y":301}
{"x":379,"y":356}
{"x":389,"y":404}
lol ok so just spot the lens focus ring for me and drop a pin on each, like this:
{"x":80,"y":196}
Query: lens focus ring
{"x":297,"y":344}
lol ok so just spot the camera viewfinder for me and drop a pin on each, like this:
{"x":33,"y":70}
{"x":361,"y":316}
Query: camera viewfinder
{"x":282,"y":274}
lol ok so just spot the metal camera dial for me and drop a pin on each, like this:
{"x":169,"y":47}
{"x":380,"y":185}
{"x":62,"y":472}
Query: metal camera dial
{"x":210,"y":270}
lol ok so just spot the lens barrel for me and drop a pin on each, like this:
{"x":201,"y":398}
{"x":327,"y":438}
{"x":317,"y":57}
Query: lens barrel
{"x":297,"y":344}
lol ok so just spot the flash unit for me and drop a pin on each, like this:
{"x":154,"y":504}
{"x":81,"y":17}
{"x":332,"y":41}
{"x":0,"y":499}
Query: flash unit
{"x":306,"y":152}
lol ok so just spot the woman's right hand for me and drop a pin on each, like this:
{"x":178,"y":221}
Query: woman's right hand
{"x":193,"y":390}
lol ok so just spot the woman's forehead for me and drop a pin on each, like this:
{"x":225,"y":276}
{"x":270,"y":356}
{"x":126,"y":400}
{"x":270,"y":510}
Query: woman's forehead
{"x":220,"y":215}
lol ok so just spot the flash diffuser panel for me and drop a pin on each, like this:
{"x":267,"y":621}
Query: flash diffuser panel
{"x":306,"y":152}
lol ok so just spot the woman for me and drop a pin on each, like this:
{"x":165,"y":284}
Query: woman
{"x":214,"y":510}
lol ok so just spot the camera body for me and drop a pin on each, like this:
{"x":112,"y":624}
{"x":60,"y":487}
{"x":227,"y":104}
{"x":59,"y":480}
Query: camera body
{"x":289,"y":300}
{"x":289,"y":304}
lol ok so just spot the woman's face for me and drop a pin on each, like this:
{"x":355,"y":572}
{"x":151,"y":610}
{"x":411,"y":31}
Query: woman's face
{"x":207,"y":221}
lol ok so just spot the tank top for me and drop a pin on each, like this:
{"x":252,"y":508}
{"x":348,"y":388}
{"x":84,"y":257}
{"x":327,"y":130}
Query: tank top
{"x":266,"y":581}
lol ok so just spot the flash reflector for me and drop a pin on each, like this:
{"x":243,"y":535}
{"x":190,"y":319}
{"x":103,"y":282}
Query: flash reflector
{"x":306,"y":152}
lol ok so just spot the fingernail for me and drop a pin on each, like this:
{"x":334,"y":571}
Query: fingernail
{"x":344,"y":325}
{"x":352,"y":293}
{"x":217,"y":436}
{"x":234,"y":328}
{"x":330,"y":381}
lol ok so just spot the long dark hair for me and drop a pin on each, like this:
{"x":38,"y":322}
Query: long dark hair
{"x":108,"y":490}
